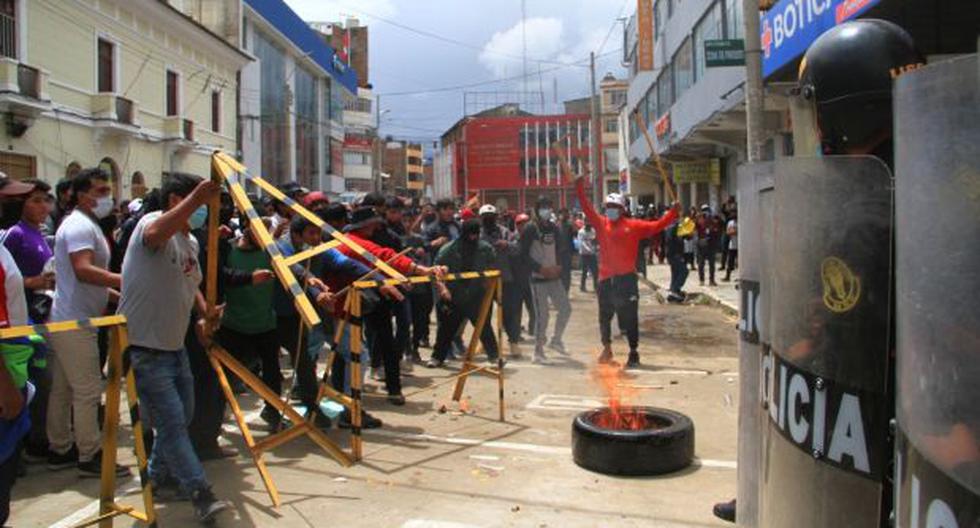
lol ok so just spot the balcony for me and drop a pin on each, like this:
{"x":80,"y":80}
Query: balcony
{"x":115,"y":115}
{"x":178,"y":130}
{"x":23,"y":89}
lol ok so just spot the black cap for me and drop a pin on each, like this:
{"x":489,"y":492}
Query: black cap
{"x":334,"y":212}
{"x":362,"y":217}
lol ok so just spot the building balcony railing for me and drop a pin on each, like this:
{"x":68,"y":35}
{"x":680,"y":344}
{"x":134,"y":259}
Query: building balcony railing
{"x":23,"y":88}
{"x":115,"y":113}
{"x":177,"y":128}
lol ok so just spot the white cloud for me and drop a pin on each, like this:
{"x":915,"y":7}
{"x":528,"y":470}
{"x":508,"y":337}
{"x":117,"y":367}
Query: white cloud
{"x":335,"y":11}
{"x":502,"y":53}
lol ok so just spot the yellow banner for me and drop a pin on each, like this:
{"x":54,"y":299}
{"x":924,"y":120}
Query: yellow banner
{"x":702,"y":171}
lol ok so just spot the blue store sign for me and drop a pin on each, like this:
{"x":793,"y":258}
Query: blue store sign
{"x":789,"y":27}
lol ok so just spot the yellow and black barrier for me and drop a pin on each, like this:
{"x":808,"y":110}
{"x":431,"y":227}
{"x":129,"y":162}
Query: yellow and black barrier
{"x":108,"y":507}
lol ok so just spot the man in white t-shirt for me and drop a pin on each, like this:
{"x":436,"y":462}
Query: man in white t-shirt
{"x":83,"y":284}
{"x":732,"y":231}
{"x":161,"y":275}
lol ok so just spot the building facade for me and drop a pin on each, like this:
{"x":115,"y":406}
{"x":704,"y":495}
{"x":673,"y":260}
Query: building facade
{"x":612,"y":99}
{"x":292,"y":100}
{"x":402,"y":167}
{"x":510,"y":160}
{"x":136,"y":87}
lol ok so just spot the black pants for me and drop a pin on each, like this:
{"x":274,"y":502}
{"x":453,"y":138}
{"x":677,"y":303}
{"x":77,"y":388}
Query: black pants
{"x":513,"y":298}
{"x":289,"y":336}
{"x":619,"y":296}
{"x":689,"y":260}
{"x":706,"y":256}
{"x":528,"y":299}
{"x":724,"y":252}
{"x":8,"y":475}
{"x":451,"y":317}
{"x":421,"y":312}
{"x":247,"y":347}
{"x":730,"y":263}
{"x":590,"y":265}
{"x":209,"y":401}
{"x":381,"y":342}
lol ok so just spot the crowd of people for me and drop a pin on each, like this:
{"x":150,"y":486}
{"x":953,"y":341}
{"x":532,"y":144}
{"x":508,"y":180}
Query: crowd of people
{"x":73,"y":253}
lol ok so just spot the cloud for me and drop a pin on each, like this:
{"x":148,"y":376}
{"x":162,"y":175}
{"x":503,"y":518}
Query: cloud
{"x":502,"y":53}
{"x":334,"y":11}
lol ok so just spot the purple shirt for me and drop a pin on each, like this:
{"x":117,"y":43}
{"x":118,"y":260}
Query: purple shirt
{"x":28,"y":247}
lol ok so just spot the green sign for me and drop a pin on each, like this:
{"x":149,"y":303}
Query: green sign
{"x":729,"y":52}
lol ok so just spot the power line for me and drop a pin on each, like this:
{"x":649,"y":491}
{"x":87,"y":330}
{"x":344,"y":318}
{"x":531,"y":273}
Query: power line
{"x":612,"y":27}
{"x":453,"y":41}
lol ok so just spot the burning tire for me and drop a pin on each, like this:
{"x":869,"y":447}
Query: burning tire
{"x":662,"y":442}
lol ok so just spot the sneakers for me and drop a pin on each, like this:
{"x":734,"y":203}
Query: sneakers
{"x":367,"y":421}
{"x":93,"y":468}
{"x":36,"y":455}
{"x":378,"y":374}
{"x":515,"y":350}
{"x":606,"y":357}
{"x":539,"y":357}
{"x":396,"y":399}
{"x":559,"y":347}
{"x":725,"y":511}
{"x":713,"y":284}
{"x":675,"y":298}
{"x":167,"y":490}
{"x":414,"y":357}
{"x":206,"y":505}
{"x":492,"y":362}
{"x":435,"y":363}
{"x":633,"y":361}
{"x":214,"y":452}
{"x":58,"y":461}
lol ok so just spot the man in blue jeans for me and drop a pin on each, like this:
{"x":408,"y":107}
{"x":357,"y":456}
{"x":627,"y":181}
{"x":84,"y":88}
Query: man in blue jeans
{"x":161,"y":275}
{"x":678,"y":265}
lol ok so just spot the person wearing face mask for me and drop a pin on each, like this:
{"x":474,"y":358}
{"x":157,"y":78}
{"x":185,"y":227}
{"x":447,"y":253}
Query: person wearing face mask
{"x":161,"y":288}
{"x":539,"y":247}
{"x":619,"y":237}
{"x":460,"y":300}
{"x":505,"y":247}
{"x":82,"y":289}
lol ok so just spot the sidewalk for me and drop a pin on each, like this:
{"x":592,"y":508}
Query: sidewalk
{"x":724,"y":295}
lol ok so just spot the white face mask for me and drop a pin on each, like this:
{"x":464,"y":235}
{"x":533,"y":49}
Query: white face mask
{"x":103,"y":207}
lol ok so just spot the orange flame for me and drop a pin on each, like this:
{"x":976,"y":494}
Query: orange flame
{"x":621,"y":415}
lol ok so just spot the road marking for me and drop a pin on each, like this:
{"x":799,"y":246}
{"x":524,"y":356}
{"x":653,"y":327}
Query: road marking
{"x":89,"y":511}
{"x":563,"y":402}
{"x":520,"y":446}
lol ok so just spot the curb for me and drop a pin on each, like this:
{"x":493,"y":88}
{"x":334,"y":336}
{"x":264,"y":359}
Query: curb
{"x":695,"y":297}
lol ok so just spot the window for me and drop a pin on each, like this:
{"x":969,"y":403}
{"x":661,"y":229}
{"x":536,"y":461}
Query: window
{"x":683,"y":69}
{"x":618,"y":98}
{"x":216,"y":112}
{"x":173,"y":83}
{"x":665,"y":92}
{"x":734,"y":29}
{"x":660,"y":15}
{"x":357,"y":158}
{"x":612,"y":125}
{"x":306,"y":126}
{"x":106,"y":74}
{"x":708,"y":28}
{"x":18,"y":166}
{"x":8,"y":28}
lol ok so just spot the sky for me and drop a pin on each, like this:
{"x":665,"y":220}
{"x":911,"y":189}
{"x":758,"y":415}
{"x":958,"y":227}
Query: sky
{"x":422,"y":51}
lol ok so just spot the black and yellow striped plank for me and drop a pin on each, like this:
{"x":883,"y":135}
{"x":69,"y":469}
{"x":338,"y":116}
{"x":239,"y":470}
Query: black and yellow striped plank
{"x":61,"y":326}
{"x":466,"y":275}
{"x":279,"y":266}
{"x":229,"y":166}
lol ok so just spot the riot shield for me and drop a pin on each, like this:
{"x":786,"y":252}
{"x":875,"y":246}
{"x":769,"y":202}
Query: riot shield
{"x":824,"y":373}
{"x":754,"y":220}
{"x":937,"y":189}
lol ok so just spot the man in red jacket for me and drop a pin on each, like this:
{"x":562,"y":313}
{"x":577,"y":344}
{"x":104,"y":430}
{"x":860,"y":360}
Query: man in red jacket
{"x":619,"y":242}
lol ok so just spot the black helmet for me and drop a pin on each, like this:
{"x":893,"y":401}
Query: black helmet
{"x":847,"y":72}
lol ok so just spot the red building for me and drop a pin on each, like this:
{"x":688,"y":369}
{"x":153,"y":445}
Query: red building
{"x":506,"y":156}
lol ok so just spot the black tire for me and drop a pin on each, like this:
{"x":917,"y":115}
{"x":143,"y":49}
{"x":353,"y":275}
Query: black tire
{"x":646,"y":452}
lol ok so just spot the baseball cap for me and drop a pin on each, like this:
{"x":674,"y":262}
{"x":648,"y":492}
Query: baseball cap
{"x":12,"y":187}
{"x":487,"y":209}
{"x":616,"y":199}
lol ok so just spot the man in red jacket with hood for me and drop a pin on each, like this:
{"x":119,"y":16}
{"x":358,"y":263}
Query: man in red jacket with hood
{"x":619,"y":242}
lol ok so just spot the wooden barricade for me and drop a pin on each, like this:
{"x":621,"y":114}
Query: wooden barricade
{"x":108,"y":507}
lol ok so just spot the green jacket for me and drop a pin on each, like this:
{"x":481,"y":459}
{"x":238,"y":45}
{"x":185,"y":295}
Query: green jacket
{"x":467,"y":291}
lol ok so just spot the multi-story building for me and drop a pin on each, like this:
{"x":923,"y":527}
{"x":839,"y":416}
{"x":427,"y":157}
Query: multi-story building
{"x":612,"y":99}
{"x":136,"y":87}
{"x":695,"y":111}
{"x":361,"y":144}
{"x":507,"y":157}
{"x":292,"y":99}
{"x":402,"y":165}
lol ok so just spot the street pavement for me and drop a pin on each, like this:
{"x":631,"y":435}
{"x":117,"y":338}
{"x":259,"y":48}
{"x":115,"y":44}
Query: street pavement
{"x":725,"y":294}
{"x":427,"y":469}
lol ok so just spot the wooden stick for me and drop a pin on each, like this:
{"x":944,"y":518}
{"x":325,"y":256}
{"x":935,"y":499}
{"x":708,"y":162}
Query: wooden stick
{"x":656,"y":157}
{"x":345,"y":289}
{"x":481,"y":321}
{"x":500,"y":355}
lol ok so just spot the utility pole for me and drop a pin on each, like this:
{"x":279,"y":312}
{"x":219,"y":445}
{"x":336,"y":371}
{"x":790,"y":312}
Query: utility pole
{"x":597,"y":168}
{"x":377,"y":143}
{"x":754,"y":109}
